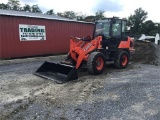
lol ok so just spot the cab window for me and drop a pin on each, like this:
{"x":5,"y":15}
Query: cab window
{"x":116,"y":28}
{"x":102,"y":29}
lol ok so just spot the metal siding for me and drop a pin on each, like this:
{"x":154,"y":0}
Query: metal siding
{"x":0,"y":37}
{"x":57,"y":36}
{"x":6,"y":37}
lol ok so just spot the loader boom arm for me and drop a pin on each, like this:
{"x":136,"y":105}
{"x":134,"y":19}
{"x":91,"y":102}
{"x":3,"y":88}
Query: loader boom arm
{"x":79,"y":50}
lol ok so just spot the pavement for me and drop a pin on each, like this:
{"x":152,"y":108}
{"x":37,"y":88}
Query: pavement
{"x":117,"y":94}
{"x":22,"y":60}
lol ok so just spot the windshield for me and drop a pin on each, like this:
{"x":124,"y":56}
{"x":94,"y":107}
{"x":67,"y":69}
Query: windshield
{"x":123,"y":27}
{"x":102,"y":29}
{"x":116,"y":28}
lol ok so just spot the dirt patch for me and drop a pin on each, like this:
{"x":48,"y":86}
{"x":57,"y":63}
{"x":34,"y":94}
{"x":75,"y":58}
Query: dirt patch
{"x":26,"y":96}
{"x":146,"y":53}
{"x":22,"y":92}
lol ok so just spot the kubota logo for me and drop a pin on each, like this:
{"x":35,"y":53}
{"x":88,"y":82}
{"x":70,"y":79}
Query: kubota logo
{"x":88,"y":46}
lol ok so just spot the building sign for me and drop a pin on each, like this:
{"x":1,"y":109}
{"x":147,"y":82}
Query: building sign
{"x":32,"y":32}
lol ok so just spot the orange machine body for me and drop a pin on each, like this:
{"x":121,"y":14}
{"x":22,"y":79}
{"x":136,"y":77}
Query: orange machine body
{"x":80,"y":50}
{"x":127,"y":44}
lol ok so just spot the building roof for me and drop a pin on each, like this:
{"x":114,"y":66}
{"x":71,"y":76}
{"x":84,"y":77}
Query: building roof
{"x":35,"y":15}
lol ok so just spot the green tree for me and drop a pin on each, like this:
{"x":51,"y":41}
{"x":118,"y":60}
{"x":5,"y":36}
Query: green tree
{"x":135,"y":21}
{"x":67,"y":14}
{"x":99,"y":15}
{"x":148,"y":27}
{"x":14,"y":4}
{"x":80,"y":17}
{"x":60,"y":14}
{"x":27,"y":8}
{"x":4,"y":6}
{"x":70,"y":14}
{"x":50,"y":12}
{"x":90,"y":18}
{"x":36,"y":9}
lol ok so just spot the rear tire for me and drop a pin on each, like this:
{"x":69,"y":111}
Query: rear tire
{"x":122,"y":61}
{"x":96,"y":63}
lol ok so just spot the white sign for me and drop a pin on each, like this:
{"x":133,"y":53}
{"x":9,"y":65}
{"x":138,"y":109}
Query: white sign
{"x":32,"y":32}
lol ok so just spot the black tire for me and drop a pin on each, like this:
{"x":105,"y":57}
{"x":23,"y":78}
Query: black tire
{"x":122,"y":61}
{"x":96,"y":63}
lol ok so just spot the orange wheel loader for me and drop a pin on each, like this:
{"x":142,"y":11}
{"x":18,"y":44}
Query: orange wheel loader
{"x":109,"y":43}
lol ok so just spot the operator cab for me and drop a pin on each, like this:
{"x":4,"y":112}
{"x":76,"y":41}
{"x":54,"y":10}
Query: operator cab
{"x":110,"y":27}
{"x":112,"y":31}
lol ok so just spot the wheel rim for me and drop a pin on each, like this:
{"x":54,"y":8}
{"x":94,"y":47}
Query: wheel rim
{"x":99,"y":63}
{"x":124,"y":60}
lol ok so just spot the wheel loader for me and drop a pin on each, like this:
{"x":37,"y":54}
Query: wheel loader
{"x":108,"y":43}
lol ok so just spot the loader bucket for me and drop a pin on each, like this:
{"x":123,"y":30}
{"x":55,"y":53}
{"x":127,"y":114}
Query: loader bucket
{"x":58,"y":72}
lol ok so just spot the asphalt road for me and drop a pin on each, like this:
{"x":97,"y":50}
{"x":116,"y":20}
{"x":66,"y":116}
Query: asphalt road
{"x":129,"y":94}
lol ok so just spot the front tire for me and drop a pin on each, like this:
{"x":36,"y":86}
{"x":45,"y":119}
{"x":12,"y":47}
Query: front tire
{"x":122,"y":61}
{"x":96,"y":63}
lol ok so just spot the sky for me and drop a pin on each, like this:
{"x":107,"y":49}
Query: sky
{"x":120,"y":8}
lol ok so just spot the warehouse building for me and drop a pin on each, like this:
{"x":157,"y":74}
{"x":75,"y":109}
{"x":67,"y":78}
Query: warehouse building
{"x":25,"y":34}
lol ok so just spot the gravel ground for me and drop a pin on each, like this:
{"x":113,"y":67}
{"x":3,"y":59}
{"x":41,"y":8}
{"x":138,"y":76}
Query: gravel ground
{"x":127,"y":94}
